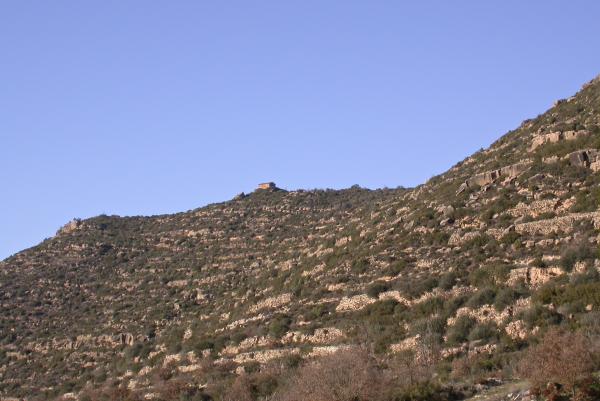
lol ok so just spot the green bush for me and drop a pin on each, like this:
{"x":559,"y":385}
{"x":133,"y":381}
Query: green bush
{"x":586,"y":294}
{"x":451,"y":305}
{"x":427,"y":308}
{"x":317,"y":311}
{"x":377,"y":288}
{"x":417,"y":288}
{"x":460,"y":331}
{"x":587,"y":200}
{"x":541,"y":316}
{"x":510,"y":238}
{"x":448,"y":280}
{"x":484,"y":331}
{"x":382,"y":324}
{"x":489,"y":276}
{"x":576,"y":253}
{"x":379,"y":310}
{"x":508,"y":295}
{"x":360,"y":265}
{"x":396,"y":267}
{"x":482,"y":297}
{"x":280,"y":325}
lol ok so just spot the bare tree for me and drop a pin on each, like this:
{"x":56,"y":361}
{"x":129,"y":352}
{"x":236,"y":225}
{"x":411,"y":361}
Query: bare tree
{"x":349,"y":375}
{"x":561,"y":357}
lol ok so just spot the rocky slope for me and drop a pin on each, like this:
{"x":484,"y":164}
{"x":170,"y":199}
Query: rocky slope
{"x":484,"y":256}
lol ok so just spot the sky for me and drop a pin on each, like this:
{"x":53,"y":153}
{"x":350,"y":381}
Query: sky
{"x":139,"y":108}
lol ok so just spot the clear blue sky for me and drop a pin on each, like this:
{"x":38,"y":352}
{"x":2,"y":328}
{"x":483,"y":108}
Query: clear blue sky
{"x":148,"y":107}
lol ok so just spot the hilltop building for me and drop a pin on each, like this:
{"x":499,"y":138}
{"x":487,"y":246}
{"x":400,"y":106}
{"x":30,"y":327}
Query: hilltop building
{"x":267,"y":185}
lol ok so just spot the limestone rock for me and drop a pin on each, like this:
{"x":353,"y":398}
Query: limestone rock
{"x":272,"y":302}
{"x":534,"y":276}
{"x":457,"y":239}
{"x":517,"y":330}
{"x":554,"y":225}
{"x":489,"y":177}
{"x":585,"y":158}
{"x":554,"y":137}
{"x":354,"y":303}
{"x":71,"y":226}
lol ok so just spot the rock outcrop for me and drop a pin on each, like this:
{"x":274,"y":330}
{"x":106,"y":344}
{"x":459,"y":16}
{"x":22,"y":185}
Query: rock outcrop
{"x":554,"y":137}
{"x":70,"y":226}
{"x":534,"y":276}
{"x":589,"y":158}
{"x":489,"y":177}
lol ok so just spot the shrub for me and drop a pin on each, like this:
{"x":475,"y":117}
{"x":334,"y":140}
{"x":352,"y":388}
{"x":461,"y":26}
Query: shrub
{"x":381,"y":326}
{"x":461,"y":329}
{"x":377,"y":288}
{"x":447,"y":281}
{"x":576,"y":253}
{"x":484,"y":331}
{"x":451,"y":305}
{"x":360,"y":266}
{"x":396,"y":267}
{"x":317,"y":311}
{"x":259,"y":382}
{"x":591,"y":275}
{"x":482,"y":297}
{"x":507,"y":296}
{"x":538,"y":262}
{"x":586,"y":201}
{"x":510,"y":238}
{"x":416,"y":289}
{"x":180,"y":389}
{"x":428,"y":307}
{"x":489,"y":275}
{"x":539,"y":315}
{"x":382,"y":309}
{"x":349,"y":375}
{"x":587,"y":293}
{"x":279,"y":326}
{"x":478,"y":242}
{"x":561,"y":357}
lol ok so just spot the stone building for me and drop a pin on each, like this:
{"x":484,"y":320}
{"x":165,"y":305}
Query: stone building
{"x":267,"y":185}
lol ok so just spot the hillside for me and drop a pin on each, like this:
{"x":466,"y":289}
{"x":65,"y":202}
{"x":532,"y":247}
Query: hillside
{"x":480,"y":260}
